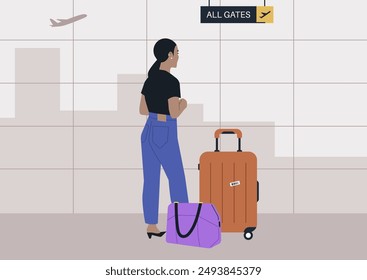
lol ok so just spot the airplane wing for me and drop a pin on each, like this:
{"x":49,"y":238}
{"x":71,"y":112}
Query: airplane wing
{"x":53,"y":21}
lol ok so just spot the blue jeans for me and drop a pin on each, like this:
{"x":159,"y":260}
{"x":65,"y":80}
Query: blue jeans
{"x":160,"y":148}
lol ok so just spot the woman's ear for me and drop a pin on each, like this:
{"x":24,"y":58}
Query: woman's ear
{"x":170,"y":55}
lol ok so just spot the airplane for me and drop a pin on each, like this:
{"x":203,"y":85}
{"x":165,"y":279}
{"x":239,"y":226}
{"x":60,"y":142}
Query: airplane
{"x":62,"y":22}
{"x":264,"y":14}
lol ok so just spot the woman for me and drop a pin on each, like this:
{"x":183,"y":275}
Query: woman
{"x":161,"y":100}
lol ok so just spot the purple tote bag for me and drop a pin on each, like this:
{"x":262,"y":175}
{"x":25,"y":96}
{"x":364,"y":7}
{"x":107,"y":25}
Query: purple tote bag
{"x":193,"y":224}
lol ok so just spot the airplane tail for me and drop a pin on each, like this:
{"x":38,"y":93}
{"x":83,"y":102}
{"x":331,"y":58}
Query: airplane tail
{"x":54,"y":23}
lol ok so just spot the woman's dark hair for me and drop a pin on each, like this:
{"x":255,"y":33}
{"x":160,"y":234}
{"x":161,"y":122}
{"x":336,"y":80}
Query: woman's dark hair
{"x":161,"y":50}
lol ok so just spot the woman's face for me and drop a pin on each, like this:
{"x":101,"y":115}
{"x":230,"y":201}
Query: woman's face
{"x":175,"y":57}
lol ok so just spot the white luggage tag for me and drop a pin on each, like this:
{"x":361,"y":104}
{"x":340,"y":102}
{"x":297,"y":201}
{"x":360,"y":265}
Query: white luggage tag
{"x":235,"y":183}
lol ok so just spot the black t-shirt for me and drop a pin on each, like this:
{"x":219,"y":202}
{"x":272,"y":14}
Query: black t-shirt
{"x":158,"y":88}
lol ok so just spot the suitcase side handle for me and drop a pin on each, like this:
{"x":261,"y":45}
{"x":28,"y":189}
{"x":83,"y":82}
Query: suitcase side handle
{"x":236,"y":131}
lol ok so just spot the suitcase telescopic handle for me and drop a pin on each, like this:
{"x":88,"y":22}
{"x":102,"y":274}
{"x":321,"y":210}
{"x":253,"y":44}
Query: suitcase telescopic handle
{"x":236,"y":131}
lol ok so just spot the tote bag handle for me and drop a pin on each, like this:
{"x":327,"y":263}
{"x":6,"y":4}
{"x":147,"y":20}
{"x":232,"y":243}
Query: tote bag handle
{"x":193,"y":225}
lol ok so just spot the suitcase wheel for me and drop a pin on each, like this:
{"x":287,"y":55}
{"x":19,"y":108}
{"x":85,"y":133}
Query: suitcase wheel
{"x":247,"y":234}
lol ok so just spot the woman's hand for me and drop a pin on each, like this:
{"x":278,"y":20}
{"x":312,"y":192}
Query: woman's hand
{"x":176,"y":106}
{"x":183,"y":103}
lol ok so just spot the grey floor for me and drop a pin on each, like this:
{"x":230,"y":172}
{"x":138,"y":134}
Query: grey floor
{"x":122,"y":236}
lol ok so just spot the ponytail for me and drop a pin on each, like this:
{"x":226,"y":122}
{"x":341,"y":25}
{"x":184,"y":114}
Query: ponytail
{"x":154,"y":69}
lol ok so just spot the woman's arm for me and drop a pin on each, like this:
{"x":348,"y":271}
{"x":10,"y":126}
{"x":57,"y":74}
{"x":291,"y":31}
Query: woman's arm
{"x":176,"y":106}
{"x":143,"y":108}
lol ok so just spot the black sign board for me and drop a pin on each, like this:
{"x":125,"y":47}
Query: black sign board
{"x":230,"y":14}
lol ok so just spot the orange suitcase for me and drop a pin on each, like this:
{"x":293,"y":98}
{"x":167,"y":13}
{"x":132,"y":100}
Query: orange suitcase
{"x":229,"y":181}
